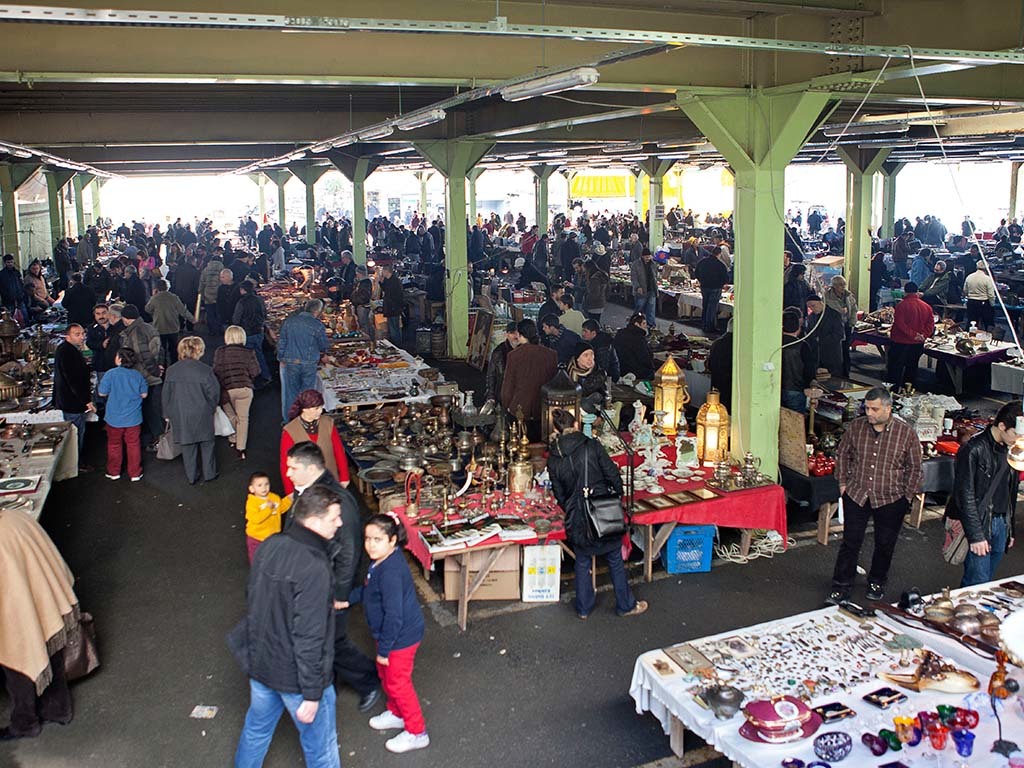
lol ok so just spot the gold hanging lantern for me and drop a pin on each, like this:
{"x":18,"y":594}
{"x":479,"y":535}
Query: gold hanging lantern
{"x":561,"y":392}
{"x":712,"y":430}
{"x":670,"y":395}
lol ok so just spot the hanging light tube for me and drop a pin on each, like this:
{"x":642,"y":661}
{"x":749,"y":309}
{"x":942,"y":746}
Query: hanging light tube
{"x":419,"y":119}
{"x":378,"y":132}
{"x":548,"y":84}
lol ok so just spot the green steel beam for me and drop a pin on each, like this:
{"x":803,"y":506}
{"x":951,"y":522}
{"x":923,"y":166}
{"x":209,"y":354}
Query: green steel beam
{"x":569,"y":175}
{"x":638,"y":193}
{"x":260,"y":180}
{"x":861,"y":166}
{"x":12,"y":176}
{"x":280,"y":179}
{"x":356,"y":168}
{"x":1014,"y":182}
{"x":97,"y":206}
{"x":541,"y":174}
{"x":423,"y":177}
{"x":308,"y":174}
{"x":889,"y":173}
{"x":454,"y":160}
{"x":656,"y":170}
{"x":55,"y":181}
{"x":758,"y":135}
{"x":80,"y":182}
{"x":471,"y":178}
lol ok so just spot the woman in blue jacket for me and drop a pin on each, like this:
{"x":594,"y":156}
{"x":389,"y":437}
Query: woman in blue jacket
{"x":396,"y":623}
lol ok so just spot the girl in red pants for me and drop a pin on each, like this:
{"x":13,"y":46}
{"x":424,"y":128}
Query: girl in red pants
{"x":396,"y":623}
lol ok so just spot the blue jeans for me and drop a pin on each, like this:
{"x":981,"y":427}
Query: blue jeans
{"x":78,"y":419}
{"x":585,"y":595}
{"x":795,"y":400}
{"x":395,"y":330}
{"x":295,"y":378}
{"x":255,"y":343}
{"x":978,"y":569}
{"x":709,"y":309}
{"x":319,"y":739}
{"x":647,"y":305}
{"x":214,"y":325}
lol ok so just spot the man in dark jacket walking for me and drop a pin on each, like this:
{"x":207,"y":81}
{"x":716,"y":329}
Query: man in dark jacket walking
{"x":984,"y":497}
{"x":499,"y":359}
{"x":633,"y":350}
{"x":72,"y":382}
{"x":712,"y":274}
{"x":285,"y":644}
{"x":12,"y":288}
{"x":251,"y":315}
{"x":78,"y":301}
{"x":306,"y":469}
{"x":394,"y":303}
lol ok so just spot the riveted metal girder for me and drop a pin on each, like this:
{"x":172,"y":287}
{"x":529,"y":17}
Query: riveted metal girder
{"x":356,"y":168}
{"x":889,"y":173}
{"x":280,"y":178}
{"x":861,"y":166}
{"x":495,"y":27}
{"x":12,"y":176}
{"x":80,"y":182}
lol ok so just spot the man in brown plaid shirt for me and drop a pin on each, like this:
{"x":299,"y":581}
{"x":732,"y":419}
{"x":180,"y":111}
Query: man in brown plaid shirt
{"x":879,"y":471}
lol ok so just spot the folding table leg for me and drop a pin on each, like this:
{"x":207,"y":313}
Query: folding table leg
{"x":916,"y":511}
{"x":676,"y":732}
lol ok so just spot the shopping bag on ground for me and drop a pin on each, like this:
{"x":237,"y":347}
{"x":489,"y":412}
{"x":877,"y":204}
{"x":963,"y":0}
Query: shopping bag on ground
{"x":542,"y":571}
{"x":167,"y":447}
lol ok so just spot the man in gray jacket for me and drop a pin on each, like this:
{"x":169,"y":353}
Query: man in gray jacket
{"x":142,"y":337}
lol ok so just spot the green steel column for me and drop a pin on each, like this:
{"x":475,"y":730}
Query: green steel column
{"x":638,"y":194}
{"x":1014,"y":181}
{"x":308,"y":175}
{"x":97,"y":208}
{"x":12,"y":176}
{"x":79,"y":183}
{"x":472,"y":176}
{"x":889,"y":173}
{"x":260,"y":181}
{"x":569,"y":176}
{"x":423,"y":177}
{"x":656,"y":170}
{"x":454,"y":160}
{"x":280,"y":179}
{"x":861,"y":166}
{"x":55,"y":181}
{"x":356,"y":168}
{"x":541,"y":174}
{"x":758,"y":135}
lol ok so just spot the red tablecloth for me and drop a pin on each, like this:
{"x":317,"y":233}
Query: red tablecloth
{"x":549,"y":510}
{"x":763,"y":507}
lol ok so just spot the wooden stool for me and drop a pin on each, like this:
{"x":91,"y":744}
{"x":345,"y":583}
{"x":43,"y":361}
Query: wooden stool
{"x":825,"y":513}
{"x":433,"y":309}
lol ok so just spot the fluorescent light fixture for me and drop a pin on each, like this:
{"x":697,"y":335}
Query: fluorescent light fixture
{"x":630,"y":146}
{"x":548,"y":84}
{"x":344,"y":141}
{"x":419,"y":119}
{"x":296,"y":156}
{"x":681,"y":144}
{"x":323,"y":146}
{"x":633,"y":158}
{"x":378,"y":132}
{"x":22,"y":153}
{"x":861,"y":129}
{"x":553,"y":153}
{"x":516,"y":157}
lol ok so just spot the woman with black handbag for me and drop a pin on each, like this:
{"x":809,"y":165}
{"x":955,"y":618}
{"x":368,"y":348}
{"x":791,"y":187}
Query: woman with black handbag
{"x":588,"y":487}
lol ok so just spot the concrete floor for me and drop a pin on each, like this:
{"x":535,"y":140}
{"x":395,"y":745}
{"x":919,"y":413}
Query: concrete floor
{"x":162,"y":567}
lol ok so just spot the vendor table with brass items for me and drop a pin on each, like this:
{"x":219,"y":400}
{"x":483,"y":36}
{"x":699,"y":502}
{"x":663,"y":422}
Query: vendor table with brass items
{"x":34,"y":456}
{"x":541,"y":515}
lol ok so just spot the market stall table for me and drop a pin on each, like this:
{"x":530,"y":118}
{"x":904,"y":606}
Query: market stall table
{"x":748,"y":510}
{"x":518,"y":523}
{"x":386,"y":375}
{"x":826,"y":656}
{"x":1007,"y":378}
{"x":956,"y":363}
{"x":30,"y":465}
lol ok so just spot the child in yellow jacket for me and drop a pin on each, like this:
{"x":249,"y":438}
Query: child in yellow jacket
{"x":263,"y":511}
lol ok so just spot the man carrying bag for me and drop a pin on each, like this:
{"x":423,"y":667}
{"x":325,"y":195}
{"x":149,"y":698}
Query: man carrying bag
{"x":980,"y":512}
{"x":588,"y":487}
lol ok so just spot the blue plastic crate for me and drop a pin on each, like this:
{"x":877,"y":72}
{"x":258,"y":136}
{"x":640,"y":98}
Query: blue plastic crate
{"x":688,"y":549}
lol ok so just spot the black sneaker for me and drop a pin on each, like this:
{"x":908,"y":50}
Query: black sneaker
{"x":837,"y":596}
{"x":367,"y":702}
{"x":875,"y":591}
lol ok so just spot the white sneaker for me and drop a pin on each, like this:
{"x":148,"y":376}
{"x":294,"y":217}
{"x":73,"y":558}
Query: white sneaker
{"x":113,"y":477}
{"x":406,"y":742}
{"x":136,"y":479}
{"x":386,"y":721}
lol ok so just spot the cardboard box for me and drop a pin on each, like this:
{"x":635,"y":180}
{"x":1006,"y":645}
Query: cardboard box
{"x":502,"y":583}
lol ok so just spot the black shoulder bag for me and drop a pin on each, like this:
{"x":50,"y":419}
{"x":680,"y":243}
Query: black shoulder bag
{"x":604,"y":512}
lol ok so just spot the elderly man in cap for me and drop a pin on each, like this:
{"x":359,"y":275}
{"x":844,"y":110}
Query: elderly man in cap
{"x":528,"y":273}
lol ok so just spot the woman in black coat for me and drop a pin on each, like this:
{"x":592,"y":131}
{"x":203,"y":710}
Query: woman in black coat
{"x":575,"y":461}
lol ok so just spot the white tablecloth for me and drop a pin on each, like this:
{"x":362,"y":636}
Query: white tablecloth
{"x":1007,"y":378}
{"x":61,"y":465}
{"x":668,"y":696}
{"x":360,"y":387}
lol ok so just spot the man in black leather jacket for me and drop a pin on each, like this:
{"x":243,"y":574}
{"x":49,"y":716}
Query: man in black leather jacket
{"x":984,"y":497}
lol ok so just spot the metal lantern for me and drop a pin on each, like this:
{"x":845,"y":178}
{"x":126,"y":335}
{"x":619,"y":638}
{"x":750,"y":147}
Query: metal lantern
{"x":561,"y":392}
{"x":712,"y":430}
{"x":670,"y":395}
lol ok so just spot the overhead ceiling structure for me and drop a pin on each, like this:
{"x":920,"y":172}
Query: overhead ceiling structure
{"x":171,"y":88}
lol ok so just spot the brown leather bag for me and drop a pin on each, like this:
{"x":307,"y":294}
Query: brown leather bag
{"x":80,"y":655}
